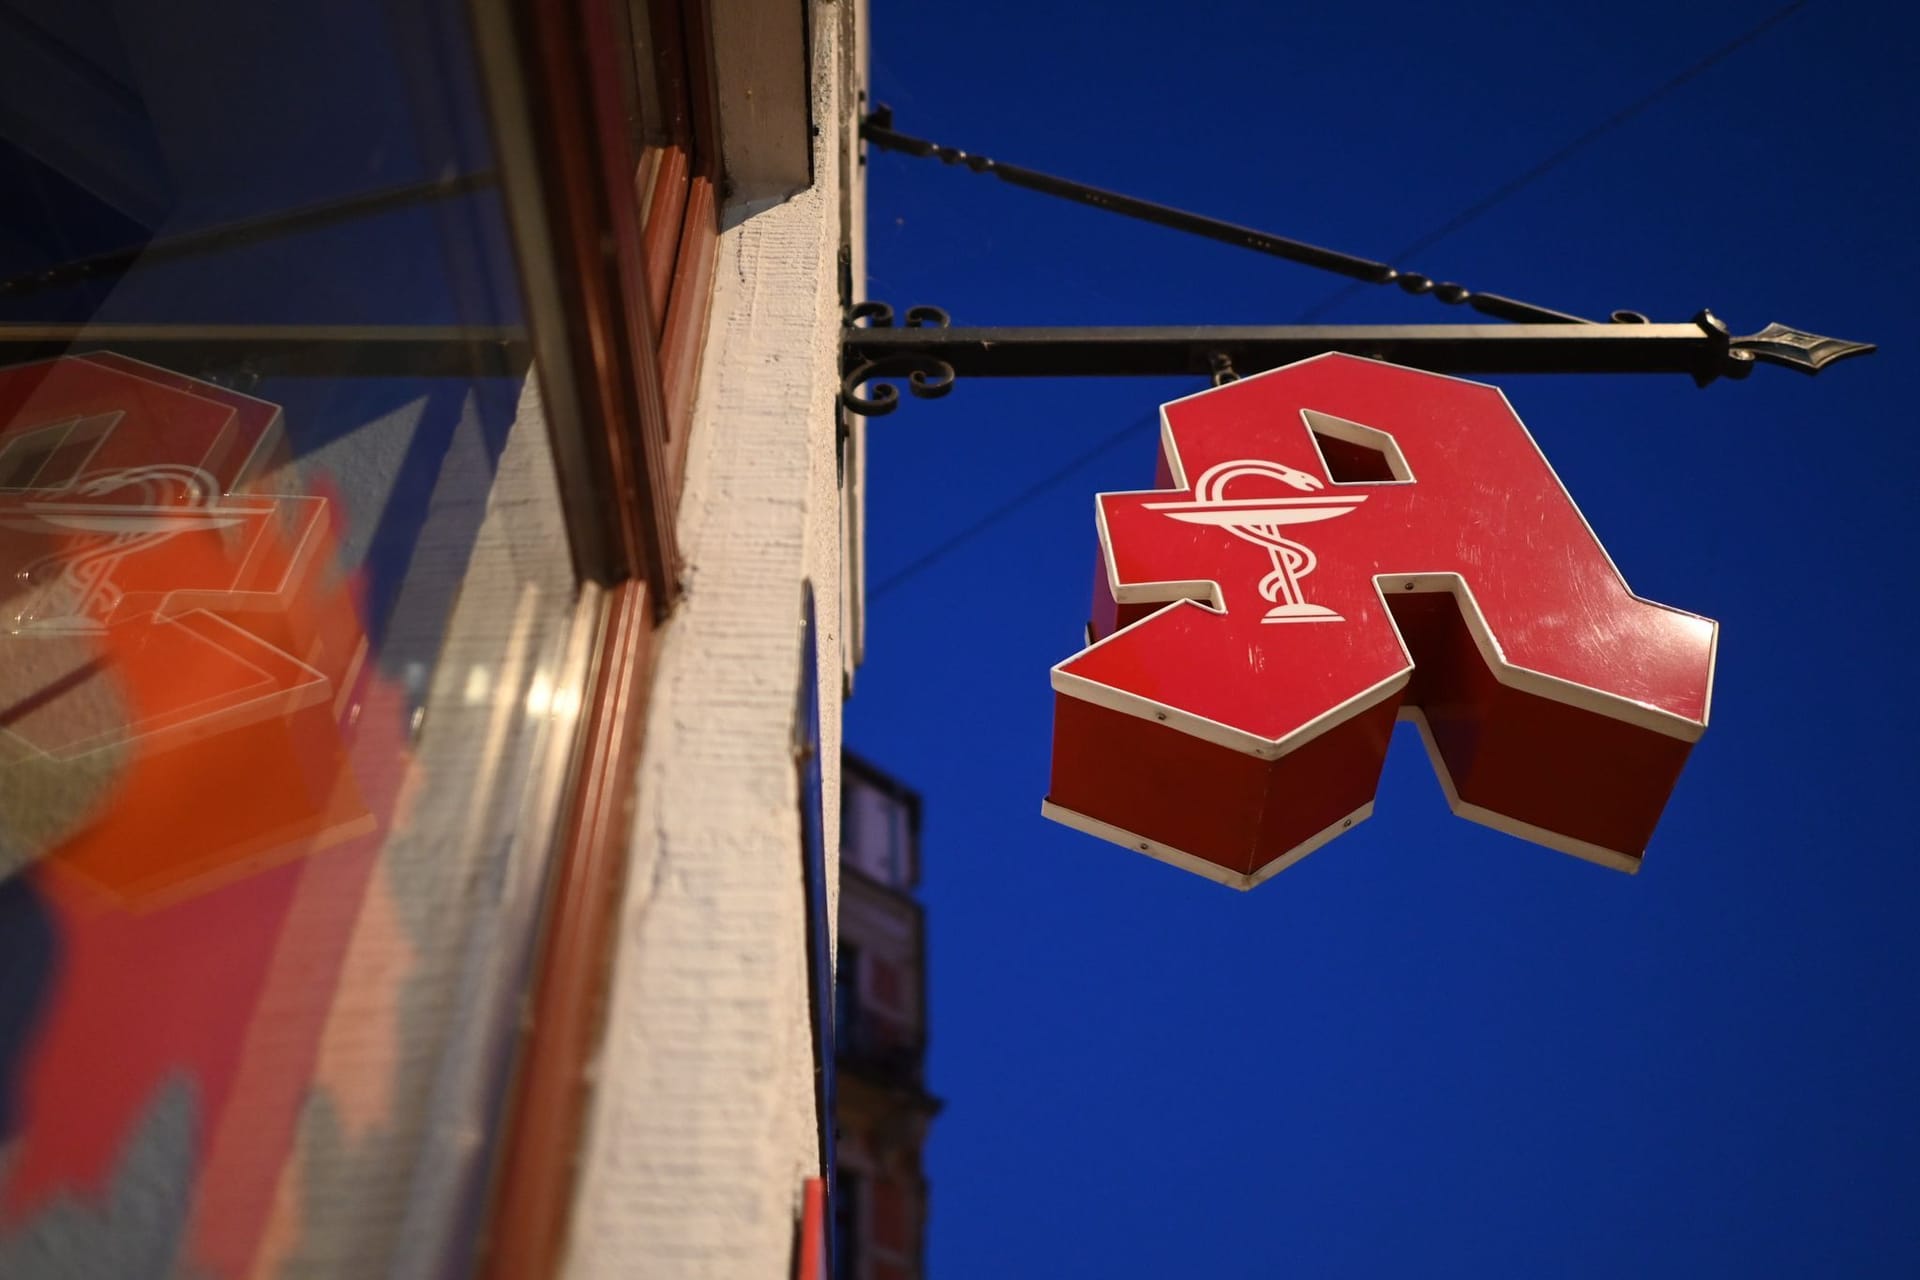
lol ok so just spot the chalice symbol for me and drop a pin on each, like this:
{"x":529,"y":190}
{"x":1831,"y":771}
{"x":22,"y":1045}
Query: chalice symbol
{"x":109,"y":517}
{"x":1260,"y":520}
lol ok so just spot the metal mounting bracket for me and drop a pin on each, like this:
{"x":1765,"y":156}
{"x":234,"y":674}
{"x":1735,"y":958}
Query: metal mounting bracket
{"x":930,"y":356}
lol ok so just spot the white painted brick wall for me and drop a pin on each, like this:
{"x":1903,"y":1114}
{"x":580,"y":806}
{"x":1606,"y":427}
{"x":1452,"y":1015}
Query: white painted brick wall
{"x":702,"y":1123}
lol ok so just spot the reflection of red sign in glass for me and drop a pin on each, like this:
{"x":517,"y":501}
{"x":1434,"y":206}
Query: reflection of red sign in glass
{"x":178,"y":642}
{"x":1334,"y":544}
{"x":181,"y":683}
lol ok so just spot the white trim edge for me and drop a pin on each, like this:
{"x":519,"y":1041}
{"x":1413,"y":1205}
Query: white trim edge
{"x":1200,"y":866}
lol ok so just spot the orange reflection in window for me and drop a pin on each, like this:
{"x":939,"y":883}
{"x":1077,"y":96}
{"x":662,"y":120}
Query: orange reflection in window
{"x":182,"y":679}
{"x":180,"y":645}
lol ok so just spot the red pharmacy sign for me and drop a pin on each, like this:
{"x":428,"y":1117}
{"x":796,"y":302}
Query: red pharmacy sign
{"x":1335,"y":545}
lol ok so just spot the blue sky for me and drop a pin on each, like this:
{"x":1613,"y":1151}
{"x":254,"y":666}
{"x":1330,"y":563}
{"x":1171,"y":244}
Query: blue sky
{"x":1429,"y":1049}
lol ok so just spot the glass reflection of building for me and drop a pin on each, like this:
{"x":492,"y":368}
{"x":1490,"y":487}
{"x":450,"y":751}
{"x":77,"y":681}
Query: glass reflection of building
{"x":353,"y":364}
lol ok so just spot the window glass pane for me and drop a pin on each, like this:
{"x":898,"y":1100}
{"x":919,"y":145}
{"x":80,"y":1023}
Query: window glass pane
{"x":846,"y":999}
{"x":901,"y":834}
{"x":869,"y":834}
{"x":291,"y":648}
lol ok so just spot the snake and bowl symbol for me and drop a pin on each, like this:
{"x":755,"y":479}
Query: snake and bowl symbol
{"x":105,"y":519}
{"x":1260,"y":520}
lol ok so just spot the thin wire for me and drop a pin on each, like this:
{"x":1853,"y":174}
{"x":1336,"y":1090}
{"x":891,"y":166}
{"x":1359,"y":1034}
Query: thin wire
{"x":940,"y":551}
{"x":1472,"y":212}
{"x":1507,"y":190}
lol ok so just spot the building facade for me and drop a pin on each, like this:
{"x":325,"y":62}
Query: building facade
{"x":425,"y":518}
{"x":882,"y":1104}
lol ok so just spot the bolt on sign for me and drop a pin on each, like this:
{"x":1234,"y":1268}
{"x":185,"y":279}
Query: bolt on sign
{"x":1335,"y":545}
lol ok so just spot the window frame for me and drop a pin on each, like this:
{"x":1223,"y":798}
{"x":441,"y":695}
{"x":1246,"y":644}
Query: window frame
{"x":565,"y":96}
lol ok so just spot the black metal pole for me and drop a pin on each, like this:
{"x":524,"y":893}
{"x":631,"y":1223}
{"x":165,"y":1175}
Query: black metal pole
{"x":931,"y":357}
{"x":1165,"y":350}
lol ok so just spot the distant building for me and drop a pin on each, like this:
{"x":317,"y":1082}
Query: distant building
{"x":882,"y":1107}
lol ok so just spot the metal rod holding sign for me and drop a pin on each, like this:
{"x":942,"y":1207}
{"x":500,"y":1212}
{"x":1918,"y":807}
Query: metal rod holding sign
{"x":931,"y":357}
{"x":878,"y":130}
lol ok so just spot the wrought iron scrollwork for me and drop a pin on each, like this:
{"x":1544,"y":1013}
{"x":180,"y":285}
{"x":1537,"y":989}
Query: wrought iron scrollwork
{"x":927,"y":377}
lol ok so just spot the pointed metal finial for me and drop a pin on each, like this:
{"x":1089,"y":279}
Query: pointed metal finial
{"x":1795,"y":348}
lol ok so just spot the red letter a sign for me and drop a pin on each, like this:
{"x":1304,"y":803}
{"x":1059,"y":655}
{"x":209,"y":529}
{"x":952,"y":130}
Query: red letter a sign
{"x":1335,"y":544}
